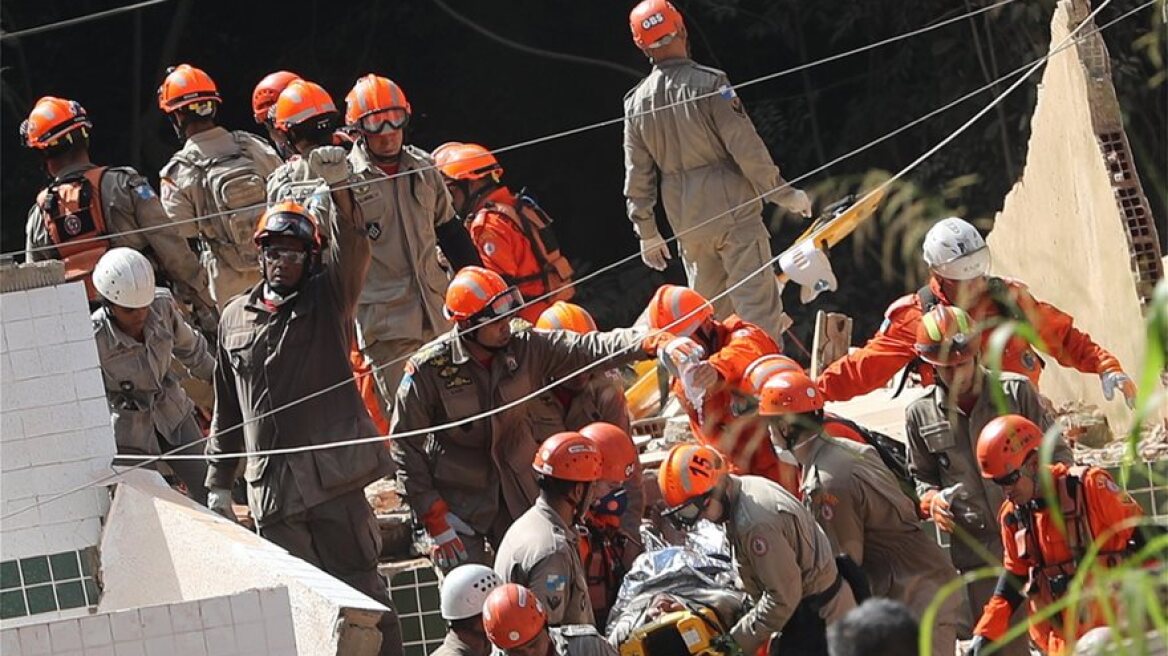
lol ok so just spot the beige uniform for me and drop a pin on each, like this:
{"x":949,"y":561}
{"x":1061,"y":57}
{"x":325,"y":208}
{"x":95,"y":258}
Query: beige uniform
{"x":867,"y":516}
{"x":482,"y":469}
{"x":783,"y":559}
{"x":130,"y":203}
{"x":942,"y":444}
{"x":148,"y":408}
{"x":579,"y":640}
{"x":229,"y":255}
{"x":541,"y":552}
{"x":401,"y":303}
{"x":708,"y":159}
{"x":452,"y":645}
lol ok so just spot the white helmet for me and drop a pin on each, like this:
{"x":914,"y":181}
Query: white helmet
{"x":124,"y":277}
{"x":465,"y":589}
{"x":955,"y":250}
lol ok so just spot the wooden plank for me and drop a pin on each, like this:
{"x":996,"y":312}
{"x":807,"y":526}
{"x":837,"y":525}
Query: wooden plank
{"x":833,"y":337}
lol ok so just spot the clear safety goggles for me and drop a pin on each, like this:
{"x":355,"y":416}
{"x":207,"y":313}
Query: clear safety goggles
{"x":277,"y":255}
{"x":502,"y":305}
{"x":386,"y":120}
{"x":688,"y":513}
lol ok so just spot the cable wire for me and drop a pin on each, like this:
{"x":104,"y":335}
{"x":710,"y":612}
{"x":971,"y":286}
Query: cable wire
{"x":69,"y":22}
{"x":545,"y":138}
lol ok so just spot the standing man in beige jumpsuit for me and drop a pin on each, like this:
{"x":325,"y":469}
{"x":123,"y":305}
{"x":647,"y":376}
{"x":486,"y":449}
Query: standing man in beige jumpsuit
{"x":686,"y":128}
{"x":942,"y":428}
{"x":407,"y":213}
{"x":541,"y":549}
{"x":783,"y":557}
{"x":857,"y":501}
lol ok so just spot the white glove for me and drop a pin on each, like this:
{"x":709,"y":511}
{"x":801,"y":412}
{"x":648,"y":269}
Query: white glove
{"x":796,"y":202}
{"x":219,"y":502}
{"x":655,"y":252}
{"x":1113,"y":380}
{"x":329,"y":162}
{"x":679,"y":352}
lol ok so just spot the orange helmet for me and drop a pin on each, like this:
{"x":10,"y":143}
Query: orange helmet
{"x":377,"y":104}
{"x":52,"y":119}
{"x":267,"y":91}
{"x":291,"y":219}
{"x":616,"y":449}
{"x":302,"y":102}
{"x":654,"y":23}
{"x":477,"y":294}
{"x":1003,"y":446}
{"x":512,"y":616}
{"x":946,"y":337}
{"x":789,"y":393}
{"x":569,"y":456}
{"x":466,"y":161}
{"x":186,"y":85}
{"x":679,"y":310}
{"x":761,"y":370}
{"x":690,"y":473}
{"x":566,"y":316}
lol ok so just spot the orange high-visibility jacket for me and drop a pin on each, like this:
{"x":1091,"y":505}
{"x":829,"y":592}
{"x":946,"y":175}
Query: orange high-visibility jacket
{"x":367,"y":387}
{"x":1105,"y":507}
{"x":891,"y":349}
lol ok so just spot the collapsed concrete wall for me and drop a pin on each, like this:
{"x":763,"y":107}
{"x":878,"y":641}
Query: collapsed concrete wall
{"x":1077,"y":227}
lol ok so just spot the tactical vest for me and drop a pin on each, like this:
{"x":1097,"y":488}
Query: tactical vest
{"x":555,"y":272}
{"x":74,"y":218}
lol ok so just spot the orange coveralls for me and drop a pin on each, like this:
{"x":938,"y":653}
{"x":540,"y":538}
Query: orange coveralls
{"x":1105,"y":506}
{"x":871,"y":366}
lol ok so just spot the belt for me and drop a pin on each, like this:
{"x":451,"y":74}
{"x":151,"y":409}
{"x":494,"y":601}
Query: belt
{"x":817,"y":601}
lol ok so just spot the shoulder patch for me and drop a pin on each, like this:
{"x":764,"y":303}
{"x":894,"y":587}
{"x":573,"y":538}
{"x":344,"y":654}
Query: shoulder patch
{"x":144,"y":191}
{"x":759,"y":545}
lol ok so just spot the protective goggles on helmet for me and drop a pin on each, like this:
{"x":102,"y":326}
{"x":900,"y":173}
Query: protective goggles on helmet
{"x":289,"y":224}
{"x":1008,"y":479}
{"x":505,"y":303}
{"x":688,"y":513}
{"x":386,"y":120}
{"x":952,"y":352}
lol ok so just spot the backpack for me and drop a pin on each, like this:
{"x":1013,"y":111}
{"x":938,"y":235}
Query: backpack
{"x":892,"y":453}
{"x":554,"y":269}
{"x":72,"y":211}
{"x":237,"y":195}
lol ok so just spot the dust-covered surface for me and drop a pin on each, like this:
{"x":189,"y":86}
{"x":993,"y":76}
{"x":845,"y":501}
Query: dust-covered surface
{"x":1151,"y":447}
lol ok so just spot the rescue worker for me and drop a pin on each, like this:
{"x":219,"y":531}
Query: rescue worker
{"x":586,"y":397}
{"x":408,"y":215}
{"x":139,"y":330}
{"x":464,"y":590}
{"x":217,"y":174}
{"x":517,"y":625}
{"x":279,"y":346}
{"x":305,"y":117}
{"x":783,"y":557}
{"x":686,"y":129}
{"x":87,"y":209}
{"x":860,"y":506}
{"x":717,"y":353}
{"x":511,"y":231}
{"x":541,"y":550}
{"x":263,"y":98}
{"x":959,"y":262}
{"x":1044,"y":550}
{"x":468,"y":482}
{"x":941,"y":429}
{"x":611,"y":539}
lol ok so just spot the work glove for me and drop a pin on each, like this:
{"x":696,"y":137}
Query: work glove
{"x":219,"y":502}
{"x":329,"y":163}
{"x":678,"y":353}
{"x":655,"y":252}
{"x":979,"y":644}
{"x":1116,"y":379}
{"x":724,"y":644}
{"x":444,"y":527}
{"x":703,"y":376}
{"x":796,"y":202}
{"x":935,"y":505}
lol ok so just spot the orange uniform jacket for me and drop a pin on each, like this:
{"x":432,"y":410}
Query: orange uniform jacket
{"x":736,"y":345}
{"x":1106,"y":506}
{"x":367,"y":387}
{"x":505,"y":250}
{"x":891,"y":349}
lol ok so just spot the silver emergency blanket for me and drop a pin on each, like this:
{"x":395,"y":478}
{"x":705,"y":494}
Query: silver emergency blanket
{"x":699,"y":574}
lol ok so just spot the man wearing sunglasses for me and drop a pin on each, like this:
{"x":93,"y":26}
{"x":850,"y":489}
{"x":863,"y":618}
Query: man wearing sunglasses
{"x":406,"y":209}
{"x":1044,"y":550}
{"x":468,"y":482}
{"x":942,"y":428}
{"x":860,"y":505}
{"x":280,"y":347}
{"x":783,"y":557}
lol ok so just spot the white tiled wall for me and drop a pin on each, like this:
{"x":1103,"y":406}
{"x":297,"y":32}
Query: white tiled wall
{"x":256,"y":622}
{"x":55,"y":429}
